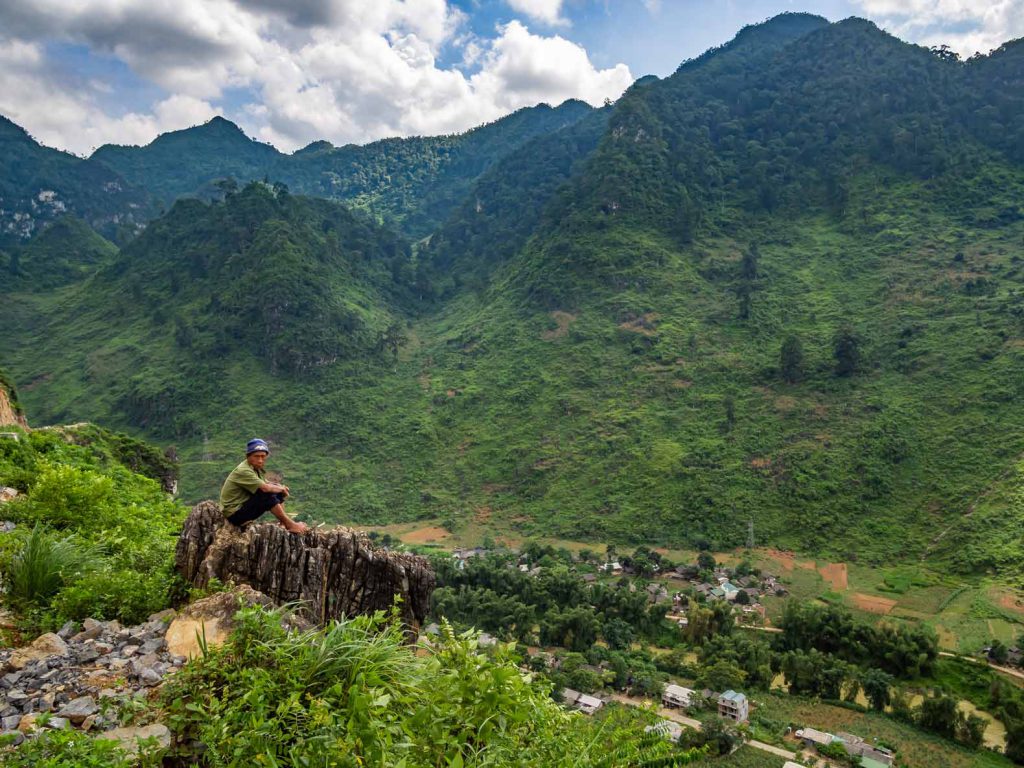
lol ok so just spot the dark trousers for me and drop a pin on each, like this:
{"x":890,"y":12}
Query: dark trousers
{"x":258,"y":503}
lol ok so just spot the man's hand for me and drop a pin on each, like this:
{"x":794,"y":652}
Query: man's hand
{"x":297,"y":528}
{"x":285,"y":491}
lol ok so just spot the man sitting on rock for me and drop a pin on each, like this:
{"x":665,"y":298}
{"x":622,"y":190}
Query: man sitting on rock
{"x":246,"y":494}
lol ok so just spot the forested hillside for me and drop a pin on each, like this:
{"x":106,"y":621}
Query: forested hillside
{"x":39,"y":185}
{"x":412,"y":183}
{"x":782,"y":285}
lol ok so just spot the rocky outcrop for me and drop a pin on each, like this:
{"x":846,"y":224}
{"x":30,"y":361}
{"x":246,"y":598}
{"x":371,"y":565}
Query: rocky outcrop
{"x":330,"y":573}
{"x":10,"y":412}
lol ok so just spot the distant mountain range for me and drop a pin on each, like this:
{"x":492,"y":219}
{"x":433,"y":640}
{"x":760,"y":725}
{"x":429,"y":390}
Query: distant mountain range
{"x":413,"y":183}
{"x":784,"y":285}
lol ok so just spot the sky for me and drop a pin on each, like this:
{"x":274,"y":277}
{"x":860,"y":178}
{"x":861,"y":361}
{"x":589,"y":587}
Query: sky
{"x":81,"y":73}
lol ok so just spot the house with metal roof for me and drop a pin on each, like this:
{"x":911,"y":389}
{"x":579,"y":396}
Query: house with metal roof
{"x":733,"y":706}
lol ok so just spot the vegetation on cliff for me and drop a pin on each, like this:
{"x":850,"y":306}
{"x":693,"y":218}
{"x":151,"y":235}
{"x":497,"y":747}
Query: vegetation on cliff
{"x":95,"y":529}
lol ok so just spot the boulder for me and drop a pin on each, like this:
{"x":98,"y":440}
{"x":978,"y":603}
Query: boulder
{"x":44,"y":647}
{"x":331,"y":573}
{"x":78,"y":709}
{"x":129,"y":738}
{"x":210,"y":619}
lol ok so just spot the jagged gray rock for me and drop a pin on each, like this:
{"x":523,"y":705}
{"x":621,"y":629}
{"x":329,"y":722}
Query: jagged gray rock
{"x":330,"y":573}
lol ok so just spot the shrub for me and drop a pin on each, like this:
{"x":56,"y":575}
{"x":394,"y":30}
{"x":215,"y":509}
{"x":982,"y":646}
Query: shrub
{"x":75,"y":749}
{"x":45,"y":564}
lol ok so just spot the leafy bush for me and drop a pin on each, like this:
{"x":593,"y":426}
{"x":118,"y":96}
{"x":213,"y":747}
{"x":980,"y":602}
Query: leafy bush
{"x":354,"y":694}
{"x":45,"y":564}
{"x":88,"y":513}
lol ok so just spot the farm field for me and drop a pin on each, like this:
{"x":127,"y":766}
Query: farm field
{"x":916,"y":749}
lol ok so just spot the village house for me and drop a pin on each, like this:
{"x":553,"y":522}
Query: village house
{"x":657,"y":593}
{"x":729,"y":590}
{"x":814,"y":738}
{"x":613,"y":567}
{"x":677,"y":696}
{"x":733,"y":706}
{"x":870,"y":755}
{"x":586,"y":704}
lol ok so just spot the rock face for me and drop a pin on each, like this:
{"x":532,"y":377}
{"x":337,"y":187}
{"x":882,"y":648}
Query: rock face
{"x":10,"y":413}
{"x":331,"y":574}
{"x":211,"y":619}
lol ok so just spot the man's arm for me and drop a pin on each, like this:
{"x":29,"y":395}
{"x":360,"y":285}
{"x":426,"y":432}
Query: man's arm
{"x":275,"y":488}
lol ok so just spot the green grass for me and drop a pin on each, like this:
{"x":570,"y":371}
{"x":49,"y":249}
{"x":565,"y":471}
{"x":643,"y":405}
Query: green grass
{"x":744,"y":757}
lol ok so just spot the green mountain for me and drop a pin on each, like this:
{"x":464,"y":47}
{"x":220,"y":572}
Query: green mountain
{"x":782,"y":285}
{"x":39,"y":185}
{"x":262,"y":284}
{"x":413,"y":183}
{"x":66,"y":250}
{"x":182,"y":162}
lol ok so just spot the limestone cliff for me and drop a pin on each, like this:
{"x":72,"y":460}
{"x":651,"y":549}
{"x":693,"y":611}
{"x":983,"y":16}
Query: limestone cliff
{"x":332,"y":573}
{"x":10,"y":410}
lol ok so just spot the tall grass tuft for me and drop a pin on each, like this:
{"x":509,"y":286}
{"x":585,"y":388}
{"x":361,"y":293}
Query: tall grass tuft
{"x":45,"y":564}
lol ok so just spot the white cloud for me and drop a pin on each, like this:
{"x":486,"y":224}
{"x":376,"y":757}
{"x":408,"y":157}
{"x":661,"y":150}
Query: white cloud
{"x":69,"y":118}
{"x":545,"y":11}
{"x":967,"y":26}
{"x":523,"y":68}
{"x":342,"y":70}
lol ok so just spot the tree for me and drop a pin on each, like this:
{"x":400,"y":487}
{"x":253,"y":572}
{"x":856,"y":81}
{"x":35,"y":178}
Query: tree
{"x":618,"y":634}
{"x":743,"y":294}
{"x":742,"y":598}
{"x":998,"y":652}
{"x":877,"y":685}
{"x":721,"y":676}
{"x":971,"y":731}
{"x":791,"y":360}
{"x":748,"y":267}
{"x":706,"y":561}
{"x":939,"y":714}
{"x":846,"y":347}
{"x":720,"y":734}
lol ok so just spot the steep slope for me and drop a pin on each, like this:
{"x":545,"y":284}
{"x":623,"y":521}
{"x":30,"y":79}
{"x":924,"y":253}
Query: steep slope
{"x":506,"y":202}
{"x":39,"y":185}
{"x":11,"y":413}
{"x":263,"y":284}
{"x":66,"y":250}
{"x":808,"y":181}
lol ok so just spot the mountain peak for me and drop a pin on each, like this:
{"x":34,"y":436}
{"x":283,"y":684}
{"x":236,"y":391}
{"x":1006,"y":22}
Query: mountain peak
{"x":220,"y":124}
{"x":774,"y":32}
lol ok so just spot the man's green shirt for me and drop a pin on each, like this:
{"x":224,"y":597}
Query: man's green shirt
{"x":240,"y":486}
